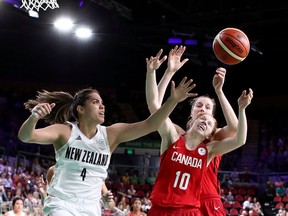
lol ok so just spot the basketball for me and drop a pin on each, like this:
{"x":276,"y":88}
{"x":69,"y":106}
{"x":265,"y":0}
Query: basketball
{"x":231,"y":46}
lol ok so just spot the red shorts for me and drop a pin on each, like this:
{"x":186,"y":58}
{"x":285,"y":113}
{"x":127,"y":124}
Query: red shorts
{"x":212,"y":207}
{"x":157,"y":211}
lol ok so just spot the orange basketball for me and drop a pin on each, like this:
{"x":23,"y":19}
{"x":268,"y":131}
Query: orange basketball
{"x":231,"y":46}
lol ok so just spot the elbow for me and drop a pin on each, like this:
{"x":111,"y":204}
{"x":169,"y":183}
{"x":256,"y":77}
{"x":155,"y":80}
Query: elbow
{"x":23,"y":138}
{"x":232,"y":129}
{"x":243,"y":142}
{"x":153,"y":107}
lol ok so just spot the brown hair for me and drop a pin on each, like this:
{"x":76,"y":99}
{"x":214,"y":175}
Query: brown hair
{"x":65,"y":104}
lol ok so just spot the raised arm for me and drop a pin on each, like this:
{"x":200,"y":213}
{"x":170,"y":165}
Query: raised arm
{"x":231,"y":119}
{"x":174,"y":64}
{"x":151,"y":89}
{"x":168,"y":131}
{"x":28,"y":132}
{"x":122,"y":132}
{"x":154,"y":93}
{"x":239,"y":139}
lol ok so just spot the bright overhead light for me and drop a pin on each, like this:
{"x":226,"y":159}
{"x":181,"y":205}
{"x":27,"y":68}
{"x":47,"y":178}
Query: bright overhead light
{"x":83,"y":32}
{"x":64,"y":24}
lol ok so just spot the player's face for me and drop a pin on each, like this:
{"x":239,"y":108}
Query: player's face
{"x":202,"y":104}
{"x":94,"y":109}
{"x":204,"y":124}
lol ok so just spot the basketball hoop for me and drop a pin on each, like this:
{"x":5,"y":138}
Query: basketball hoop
{"x":37,"y":4}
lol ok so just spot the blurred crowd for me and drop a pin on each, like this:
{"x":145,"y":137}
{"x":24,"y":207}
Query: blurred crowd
{"x":18,"y":177}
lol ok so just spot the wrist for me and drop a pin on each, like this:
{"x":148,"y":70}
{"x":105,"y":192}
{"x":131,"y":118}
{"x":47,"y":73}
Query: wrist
{"x":169,"y":71}
{"x":218,"y":92}
{"x":33,"y":117}
{"x":172,"y":100}
{"x":151,"y":70}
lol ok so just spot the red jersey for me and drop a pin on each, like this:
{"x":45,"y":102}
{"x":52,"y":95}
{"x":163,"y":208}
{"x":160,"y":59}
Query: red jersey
{"x":178,"y":183}
{"x":210,"y":182}
{"x":211,"y":203}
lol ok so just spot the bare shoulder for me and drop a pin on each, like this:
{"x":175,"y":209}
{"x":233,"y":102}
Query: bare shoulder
{"x":64,"y":132}
{"x":59,"y":128}
{"x":64,"y":126}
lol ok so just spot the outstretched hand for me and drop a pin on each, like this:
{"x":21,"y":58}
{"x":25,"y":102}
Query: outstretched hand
{"x":245,"y":99}
{"x":219,"y":78}
{"x":153,"y":63}
{"x":181,"y":92}
{"x":174,"y":59}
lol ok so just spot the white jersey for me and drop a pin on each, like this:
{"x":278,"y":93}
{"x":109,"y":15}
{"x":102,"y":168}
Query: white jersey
{"x":11,"y":213}
{"x":81,"y":167}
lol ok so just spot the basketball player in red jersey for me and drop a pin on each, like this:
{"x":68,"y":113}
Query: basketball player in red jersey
{"x":210,"y":199}
{"x":184,"y":160}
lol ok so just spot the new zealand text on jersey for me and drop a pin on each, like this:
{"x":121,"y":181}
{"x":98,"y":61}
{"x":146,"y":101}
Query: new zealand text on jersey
{"x":87,"y":156}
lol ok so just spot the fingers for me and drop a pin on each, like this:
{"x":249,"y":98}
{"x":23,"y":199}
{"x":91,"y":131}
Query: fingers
{"x":172,"y":84}
{"x":185,"y":86}
{"x":183,"y":81}
{"x":245,"y":98}
{"x":251,"y":92}
{"x":159,"y":53}
{"x":192,"y":94}
{"x":187,"y":83}
{"x":108,"y":195}
{"x":163,"y":59}
{"x":221,"y":69}
{"x":184,"y":61}
{"x":156,"y":59}
{"x":250,"y":95}
{"x":177,"y":50}
{"x":43,"y":109}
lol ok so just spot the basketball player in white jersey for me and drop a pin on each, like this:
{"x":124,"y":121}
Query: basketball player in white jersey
{"x":83,"y":147}
{"x":107,"y":195}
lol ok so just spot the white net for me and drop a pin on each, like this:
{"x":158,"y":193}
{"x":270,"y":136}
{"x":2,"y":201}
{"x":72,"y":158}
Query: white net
{"x":37,"y":4}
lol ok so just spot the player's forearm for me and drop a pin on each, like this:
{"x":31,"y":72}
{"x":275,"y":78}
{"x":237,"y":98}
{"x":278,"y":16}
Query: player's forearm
{"x":151,"y":92}
{"x":241,"y":135}
{"x":158,"y":117}
{"x":162,"y":86}
{"x":25,"y":132}
{"x":228,"y":112}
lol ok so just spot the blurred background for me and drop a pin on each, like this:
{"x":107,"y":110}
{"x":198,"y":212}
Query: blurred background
{"x":124,"y":33}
